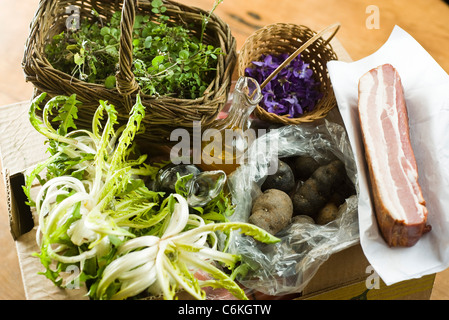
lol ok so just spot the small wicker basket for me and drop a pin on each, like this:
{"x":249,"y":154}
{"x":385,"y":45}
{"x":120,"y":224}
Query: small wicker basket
{"x":163,"y":114}
{"x":293,"y":39}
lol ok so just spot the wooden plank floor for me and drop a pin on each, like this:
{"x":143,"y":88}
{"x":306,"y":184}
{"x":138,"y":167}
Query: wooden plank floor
{"x":425,"y":20}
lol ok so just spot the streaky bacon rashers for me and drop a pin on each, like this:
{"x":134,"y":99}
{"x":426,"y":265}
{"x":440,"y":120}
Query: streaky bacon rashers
{"x":398,"y":201}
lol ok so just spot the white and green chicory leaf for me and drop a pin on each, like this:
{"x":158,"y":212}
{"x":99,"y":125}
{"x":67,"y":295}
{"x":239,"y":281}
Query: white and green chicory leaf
{"x":96,"y":212}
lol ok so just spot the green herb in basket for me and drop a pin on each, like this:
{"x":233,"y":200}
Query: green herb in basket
{"x":168,"y":59}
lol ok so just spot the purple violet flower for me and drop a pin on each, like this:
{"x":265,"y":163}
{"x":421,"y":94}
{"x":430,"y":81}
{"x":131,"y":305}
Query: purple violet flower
{"x":292,"y":91}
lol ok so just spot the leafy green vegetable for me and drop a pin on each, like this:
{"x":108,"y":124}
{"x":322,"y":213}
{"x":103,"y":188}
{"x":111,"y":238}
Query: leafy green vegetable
{"x":95,"y":212}
{"x":168,"y":59}
{"x":166,"y":262}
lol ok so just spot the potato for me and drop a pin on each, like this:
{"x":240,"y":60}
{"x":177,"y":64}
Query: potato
{"x":330,"y":176}
{"x":343,"y":192}
{"x":272,"y":211}
{"x":304,"y":167}
{"x":303,"y":219}
{"x":316,"y":191}
{"x":327,"y":214}
{"x":283,"y":179}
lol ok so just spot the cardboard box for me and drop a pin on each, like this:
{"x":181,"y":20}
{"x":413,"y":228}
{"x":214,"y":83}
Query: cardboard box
{"x":345,"y":275}
{"x":416,"y":289}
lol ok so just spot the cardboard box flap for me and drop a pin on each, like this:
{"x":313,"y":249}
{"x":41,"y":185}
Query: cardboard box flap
{"x":20,"y":217}
{"x":20,"y":148}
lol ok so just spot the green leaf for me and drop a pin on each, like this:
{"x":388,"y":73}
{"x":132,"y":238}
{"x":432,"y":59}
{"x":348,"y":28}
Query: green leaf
{"x":157,"y":61}
{"x":127,"y":136}
{"x":112,"y":51}
{"x":138,"y":21}
{"x":67,"y":113}
{"x":110,"y":82}
{"x":72,"y":47}
{"x":148,"y":42}
{"x":116,"y":241}
{"x":180,"y":185}
{"x":163,"y":47}
{"x":33,"y":175}
{"x":245,"y":228}
{"x":156,"y":3}
{"x":105,"y":30}
{"x":184,"y":54}
{"x":147,"y":31}
{"x":78,"y":59}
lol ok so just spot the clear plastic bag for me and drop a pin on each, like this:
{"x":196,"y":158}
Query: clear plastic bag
{"x":288,"y":266}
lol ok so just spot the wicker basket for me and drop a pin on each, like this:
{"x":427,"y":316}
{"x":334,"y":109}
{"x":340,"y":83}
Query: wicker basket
{"x":163,"y":113}
{"x":293,"y":39}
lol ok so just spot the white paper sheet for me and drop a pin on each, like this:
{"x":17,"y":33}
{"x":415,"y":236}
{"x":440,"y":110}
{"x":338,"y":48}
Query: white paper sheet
{"x":426,"y":89}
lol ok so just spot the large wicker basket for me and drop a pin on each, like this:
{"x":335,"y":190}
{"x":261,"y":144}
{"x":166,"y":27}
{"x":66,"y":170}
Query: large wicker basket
{"x":163,"y":113}
{"x":288,"y":38}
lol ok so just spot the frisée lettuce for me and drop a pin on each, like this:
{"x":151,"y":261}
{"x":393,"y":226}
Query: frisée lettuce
{"x":96,"y":212}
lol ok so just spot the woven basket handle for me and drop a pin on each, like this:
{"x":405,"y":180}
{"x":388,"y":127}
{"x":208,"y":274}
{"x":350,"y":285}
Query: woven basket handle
{"x":126,"y":82}
{"x":334,"y":27}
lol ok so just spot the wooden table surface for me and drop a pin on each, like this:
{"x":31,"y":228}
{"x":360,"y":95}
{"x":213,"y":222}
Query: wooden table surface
{"x":425,"y":20}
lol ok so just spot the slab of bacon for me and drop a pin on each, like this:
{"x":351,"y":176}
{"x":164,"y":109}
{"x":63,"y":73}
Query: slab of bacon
{"x":399,"y":204}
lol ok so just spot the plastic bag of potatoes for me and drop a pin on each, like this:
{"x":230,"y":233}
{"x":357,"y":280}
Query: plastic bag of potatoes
{"x":299,"y":183}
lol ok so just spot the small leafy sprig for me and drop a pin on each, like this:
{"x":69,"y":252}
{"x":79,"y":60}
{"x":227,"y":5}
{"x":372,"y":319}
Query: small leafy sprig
{"x":207,"y":18}
{"x":168,"y":59}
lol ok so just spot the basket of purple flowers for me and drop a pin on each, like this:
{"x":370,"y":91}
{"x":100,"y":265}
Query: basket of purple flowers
{"x":289,"y":61}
